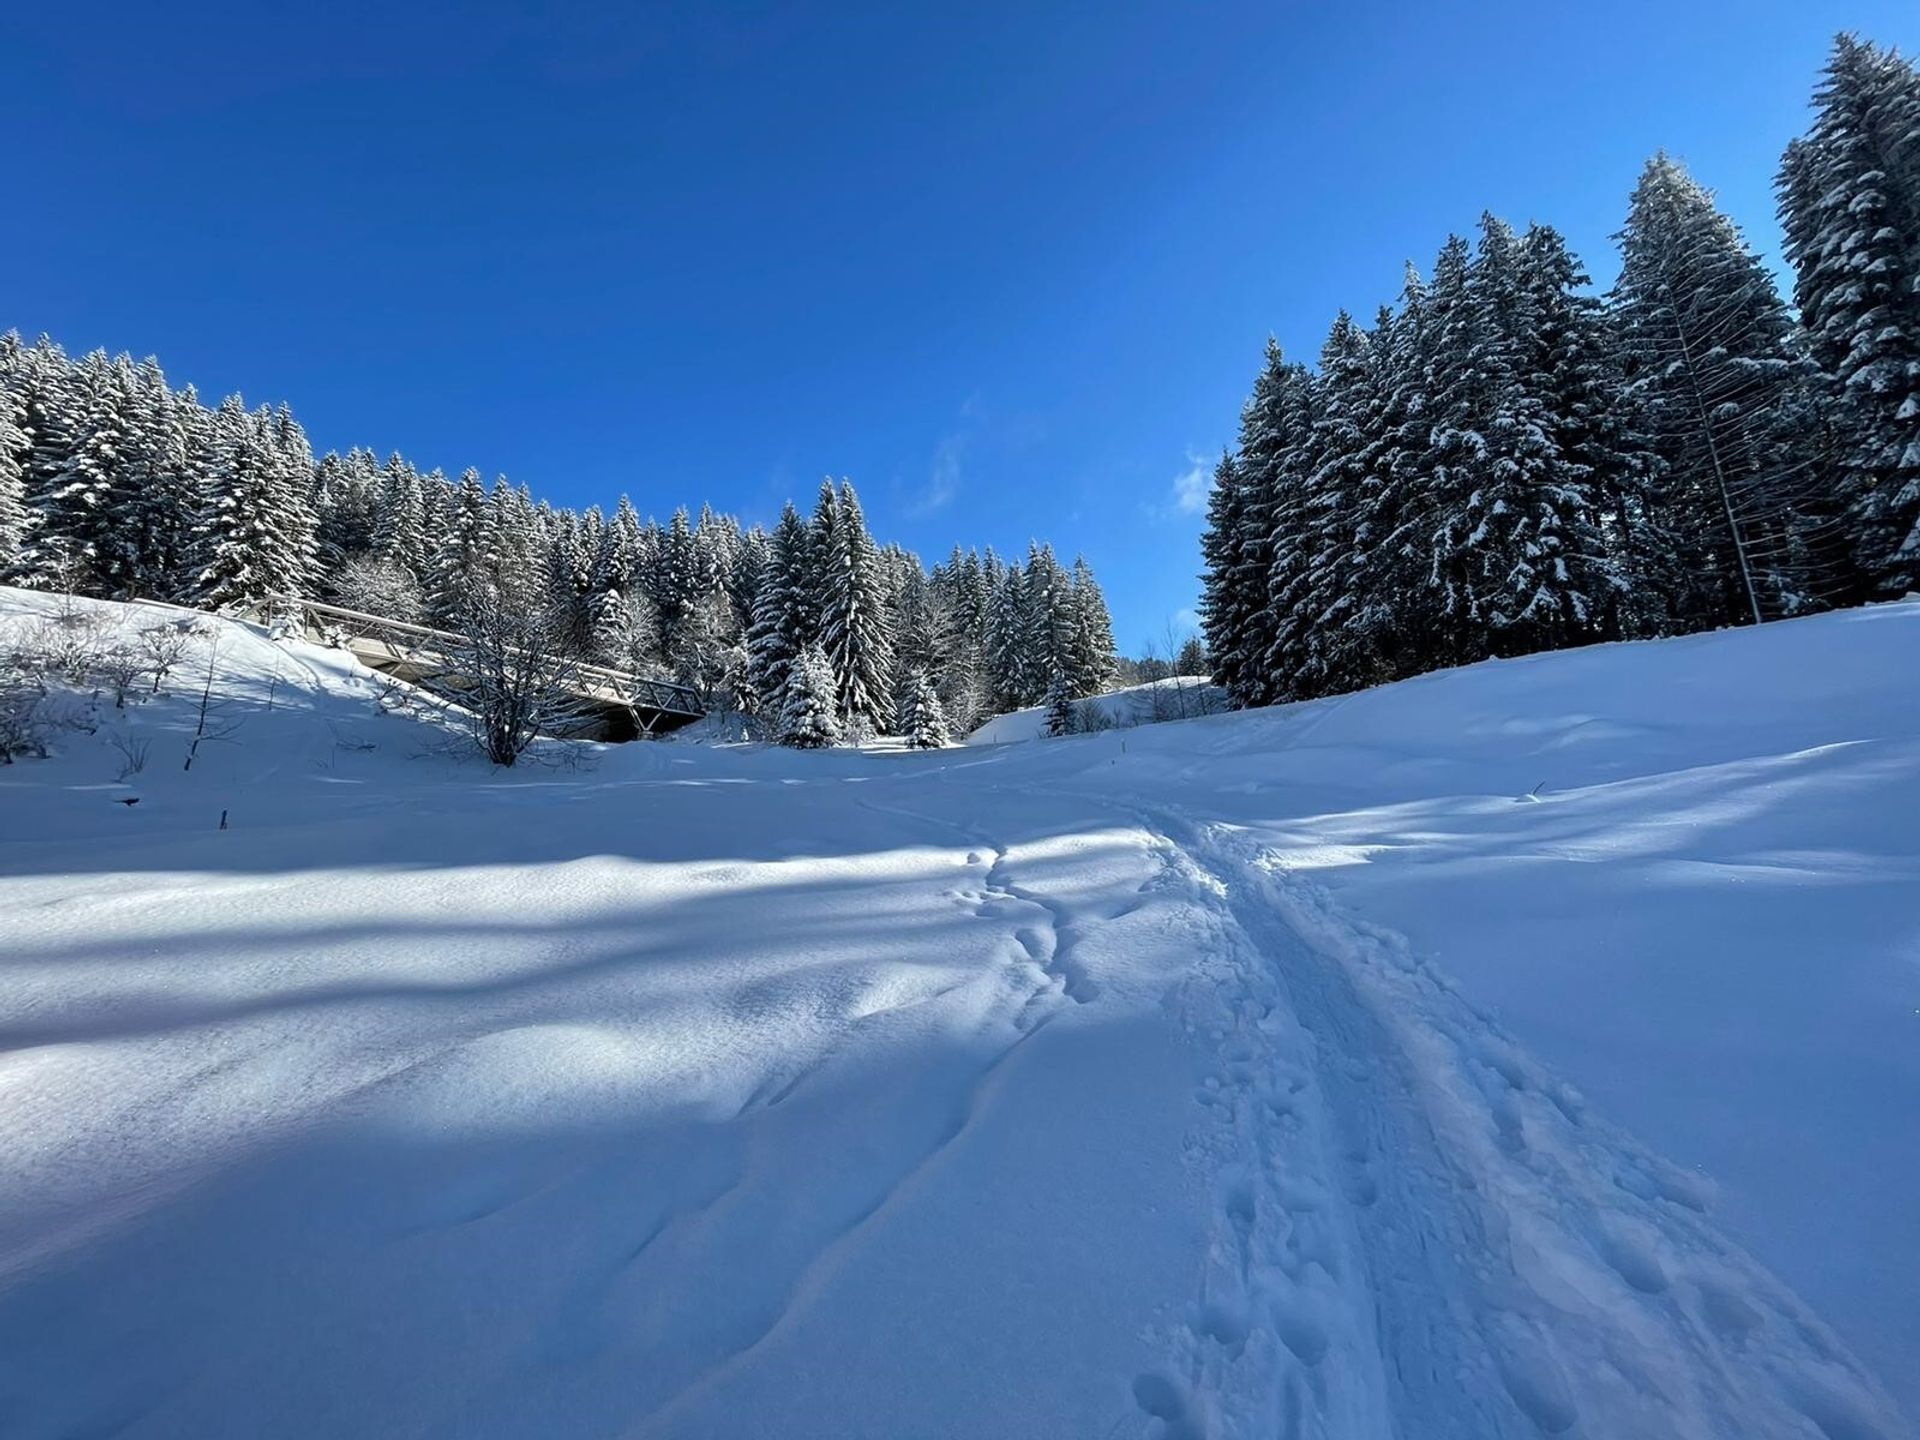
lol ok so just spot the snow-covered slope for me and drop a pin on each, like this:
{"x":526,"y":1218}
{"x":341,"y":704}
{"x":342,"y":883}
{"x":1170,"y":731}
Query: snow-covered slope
{"x":1180,"y":697}
{"x":1524,"y":1049}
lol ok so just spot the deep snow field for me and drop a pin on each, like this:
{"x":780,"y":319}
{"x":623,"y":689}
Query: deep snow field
{"x":1526,"y":1049}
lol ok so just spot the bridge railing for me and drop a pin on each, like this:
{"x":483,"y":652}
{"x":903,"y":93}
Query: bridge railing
{"x":405,"y":638}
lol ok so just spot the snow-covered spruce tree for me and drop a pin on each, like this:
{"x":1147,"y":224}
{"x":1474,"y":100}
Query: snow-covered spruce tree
{"x":50,"y":415}
{"x":1850,"y":208}
{"x":1280,"y":533}
{"x":13,"y":489}
{"x":346,"y":499}
{"x":513,"y":543}
{"x":1059,"y":703}
{"x":1009,"y":659}
{"x":854,"y":633}
{"x":1090,"y":657}
{"x":74,"y":519}
{"x":249,"y":542}
{"x":1572,"y":362}
{"x":613,"y":582}
{"x":922,"y":720}
{"x":1730,"y":404}
{"x":1316,"y":621}
{"x":1393,"y":609}
{"x":784,"y":620}
{"x":1248,"y":516}
{"x":917,"y":630}
{"x":400,"y":521}
{"x":1496,"y":500}
{"x":459,"y":563}
{"x":1223,"y":610}
{"x":807,"y":709}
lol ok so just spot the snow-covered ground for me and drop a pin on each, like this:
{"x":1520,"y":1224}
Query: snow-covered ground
{"x":1524,"y":1049}
{"x":1179,"y":697}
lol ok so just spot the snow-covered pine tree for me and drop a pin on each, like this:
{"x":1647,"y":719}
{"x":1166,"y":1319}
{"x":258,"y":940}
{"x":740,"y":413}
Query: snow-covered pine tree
{"x":1555,"y":580}
{"x":248,"y":546}
{"x":293,"y":497}
{"x":922,"y":719}
{"x":50,"y":414}
{"x":346,"y":500}
{"x":917,"y":630}
{"x":73,"y":534}
{"x":512,"y":544}
{"x":1714,"y":367}
{"x":1850,"y":208}
{"x":1009,"y":663}
{"x":854,"y":633}
{"x":1280,"y":532}
{"x":459,"y":562}
{"x":1270,"y":467}
{"x":1059,"y":703}
{"x":400,"y":520}
{"x":784,"y":620}
{"x":1223,"y":608}
{"x":1393,"y":606}
{"x":13,"y":488}
{"x":1572,"y":362}
{"x":1316,"y":619}
{"x":613,"y":584}
{"x":808,"y":718}
{"x":154,"y":491}
{"x":1090,"y":657}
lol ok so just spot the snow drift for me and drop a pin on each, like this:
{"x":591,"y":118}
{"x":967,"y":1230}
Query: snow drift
{"x":1522,"y":1049}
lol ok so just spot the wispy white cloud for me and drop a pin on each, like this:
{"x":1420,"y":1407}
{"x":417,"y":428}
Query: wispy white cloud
{"x":1187,"y":493}
{"x":943,"y":479}
{"x":1186,"y":619}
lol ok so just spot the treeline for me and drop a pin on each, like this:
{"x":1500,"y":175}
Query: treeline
{"x":1505,"y":463}
{"x":113,"y":484}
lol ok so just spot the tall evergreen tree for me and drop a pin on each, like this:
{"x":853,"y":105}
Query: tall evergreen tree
{"x":785,"y":622}
{"x":249,"y":547}
{"x":13,"y":487}
{"x":1850,"y":207}
{"x":1714,"y":368}
{"x":854,"y":631}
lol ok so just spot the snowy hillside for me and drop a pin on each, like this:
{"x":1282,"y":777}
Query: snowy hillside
{"x":1179,"y":697}
{"x":1525,"y":1049}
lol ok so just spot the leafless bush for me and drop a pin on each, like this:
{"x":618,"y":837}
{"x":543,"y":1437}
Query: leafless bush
{"x":122,"y":671}
{"x":515,"y":679}
{"x":133,"y":753}
{"x":23,"y":726}
{"x":1090,"y":719}
{"x":66,"y":646}
{"x":164,"y":645}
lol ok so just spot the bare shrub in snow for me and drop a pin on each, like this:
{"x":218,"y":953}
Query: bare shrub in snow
{"x":516,"y":679}
{"x":23,"y":725}
{"x":123,"y":671}
{"x":132,"y":752}
{"x":164,"y":645}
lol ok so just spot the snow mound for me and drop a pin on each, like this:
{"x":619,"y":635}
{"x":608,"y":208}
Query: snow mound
{"x":1179,"y":697}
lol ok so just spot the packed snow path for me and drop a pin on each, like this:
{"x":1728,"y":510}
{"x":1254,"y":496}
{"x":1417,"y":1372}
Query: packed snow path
{"x":1056,"y":1089}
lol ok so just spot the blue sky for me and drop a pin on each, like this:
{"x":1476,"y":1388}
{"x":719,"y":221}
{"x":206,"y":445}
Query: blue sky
{"x":1007,"y":267}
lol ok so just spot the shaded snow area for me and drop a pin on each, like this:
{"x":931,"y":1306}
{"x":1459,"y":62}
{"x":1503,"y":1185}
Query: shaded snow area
{"x":1179,"y":697}
{"x":1528,"y":1049}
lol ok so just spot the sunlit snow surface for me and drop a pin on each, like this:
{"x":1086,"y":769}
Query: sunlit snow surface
{"x":1260,"y":1075}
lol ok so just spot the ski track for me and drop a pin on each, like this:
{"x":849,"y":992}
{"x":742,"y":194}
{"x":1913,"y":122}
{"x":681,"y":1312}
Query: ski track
{"x":1421,"y":1232}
